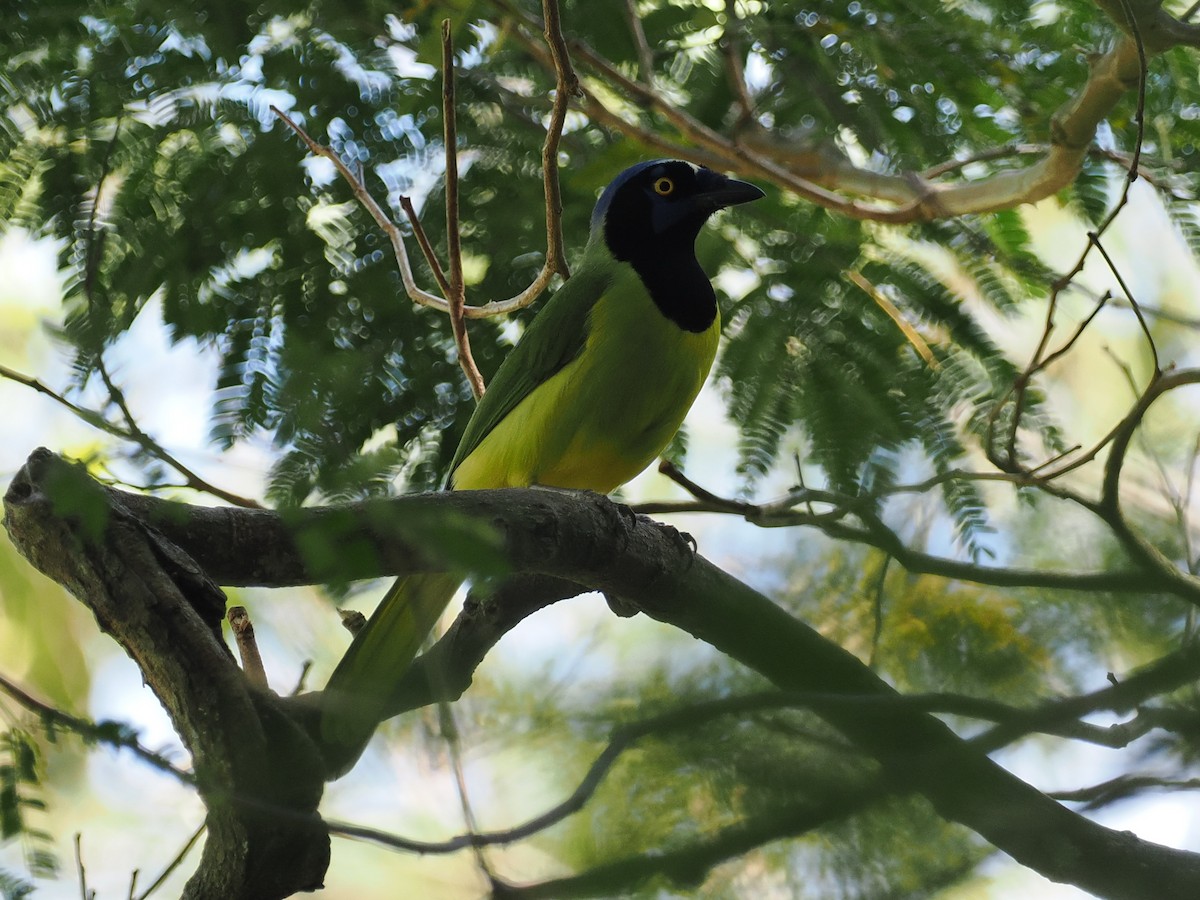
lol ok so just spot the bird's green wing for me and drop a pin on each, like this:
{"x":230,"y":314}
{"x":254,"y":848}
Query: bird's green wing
{"x":554,"y":338}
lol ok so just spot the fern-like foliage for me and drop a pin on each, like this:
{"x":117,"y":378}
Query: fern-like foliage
{"x":867,"y":374}
{"x":20,"y":782}
{"x":1091,"y":191}
{"x":14,"y":887}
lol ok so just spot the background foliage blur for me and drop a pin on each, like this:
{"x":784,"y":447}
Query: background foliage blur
{"x":220,"y":287}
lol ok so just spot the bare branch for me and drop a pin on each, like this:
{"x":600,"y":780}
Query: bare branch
{"x":243,"y":633}
{"x":414,"y":222}
{"x":456,"y":296}
{"x":1094,"y":238}
{"x":566,"y":85}
{"x":1159,"y":677}
{"x":818,"y":173}
{"x":644,"y":54}
{"x":735,"y":70}
{"x":1123,"y":787}
{"x":132,"y":433}
{"x":687,"y":866}
{"x":1039,"y":361}
{"x":103,"y":733}
{"x":448,"y":726}
{"x":555,"y":263}
{"x":623,"y":738}
{"x":175,"y":863}
{"x":418,"y":296}
{"x":785,"y":512}
{"x":85,"y":893}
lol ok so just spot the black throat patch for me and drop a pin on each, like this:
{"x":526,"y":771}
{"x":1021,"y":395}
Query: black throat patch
{"x":680,"y":289}
{"x":666,"y":263}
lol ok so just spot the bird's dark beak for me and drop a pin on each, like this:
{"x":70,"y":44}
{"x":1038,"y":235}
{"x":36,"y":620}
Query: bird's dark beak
{"x":716,"y":191}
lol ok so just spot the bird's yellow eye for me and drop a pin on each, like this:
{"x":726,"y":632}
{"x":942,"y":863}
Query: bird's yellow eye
{"x":664,"y":187}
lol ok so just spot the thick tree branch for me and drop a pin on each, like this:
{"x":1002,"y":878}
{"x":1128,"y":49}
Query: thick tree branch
{"x":586,"y":540}
{"x":165,"y":612}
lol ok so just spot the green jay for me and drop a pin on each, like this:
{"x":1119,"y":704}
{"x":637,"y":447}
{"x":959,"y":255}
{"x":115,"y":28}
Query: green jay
{"x":592,"y":393}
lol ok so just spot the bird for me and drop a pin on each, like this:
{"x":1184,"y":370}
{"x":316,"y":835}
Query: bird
{"x":592,"y":393}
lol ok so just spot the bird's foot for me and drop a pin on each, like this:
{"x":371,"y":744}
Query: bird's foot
{"x":683,"y":541}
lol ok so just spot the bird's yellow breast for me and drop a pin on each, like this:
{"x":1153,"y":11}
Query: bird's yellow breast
{"x":607,"y":414}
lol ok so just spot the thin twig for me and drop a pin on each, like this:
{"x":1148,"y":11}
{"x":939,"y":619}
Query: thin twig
{"x":453,"y":738}
{"x":175,"y":863}
{"x":1137,"y":310}
{"x":1109,"y":504}
{"x":305,"y":668}
{"x":673,"y":472}
{"x":566,"y":85}
{"x":400,"y":251}
{"x":877,"y":608}
{"x":1020,"y":386}
{"x":687,"y":865}
{"x":103,"y":732}
{"x":1123,"y":787}
{"x":132,"y":433}
{"x":622,"y":738}
{"x":194,"y":481}
{"x":414,"y":222}
{"x":418,"y":296}
{"x":84,"y":892}
{"x":735,"y":69}
{"x":95,"y":419}
{"x":644,"y":54}
{"x":783,"y":513}
{"x":457,"y":294}
{"x":1060,"y":718}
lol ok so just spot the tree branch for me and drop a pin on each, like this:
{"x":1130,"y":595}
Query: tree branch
{"x":145,"y":591}
{"x":823,"y":176}
{"x":132,"y":433}
{"x":687,"y":866}
{"x":875,"y":533}
{"x":566,"y":85}
{"x":456,"y":296}
{"x":111,"y":733}
{"x":587,"y":540}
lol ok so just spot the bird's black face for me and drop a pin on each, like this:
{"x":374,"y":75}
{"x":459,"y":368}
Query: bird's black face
{"x":650,"y":216}
{"x":660,"y":207}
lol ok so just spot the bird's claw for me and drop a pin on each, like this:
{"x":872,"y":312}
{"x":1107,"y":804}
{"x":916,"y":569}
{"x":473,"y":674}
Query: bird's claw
{"x":684,"y":542}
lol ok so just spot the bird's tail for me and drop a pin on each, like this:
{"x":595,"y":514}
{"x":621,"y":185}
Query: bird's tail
{"x":357,"y":695}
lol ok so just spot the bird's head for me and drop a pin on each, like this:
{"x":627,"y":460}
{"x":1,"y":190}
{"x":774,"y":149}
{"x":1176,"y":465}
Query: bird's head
{"x":663,"y":202}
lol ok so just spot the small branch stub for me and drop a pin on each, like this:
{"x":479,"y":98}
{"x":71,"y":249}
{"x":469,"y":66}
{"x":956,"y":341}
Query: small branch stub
{"x":243,"y":632}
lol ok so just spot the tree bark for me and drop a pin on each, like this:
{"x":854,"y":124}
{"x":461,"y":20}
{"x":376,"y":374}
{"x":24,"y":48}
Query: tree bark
{"x":260,"y":777}
{"x":131,"y":568}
